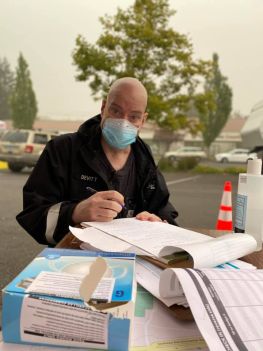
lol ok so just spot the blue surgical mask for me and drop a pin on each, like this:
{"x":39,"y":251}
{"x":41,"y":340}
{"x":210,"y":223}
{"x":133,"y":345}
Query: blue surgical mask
{"x":119,"y":133}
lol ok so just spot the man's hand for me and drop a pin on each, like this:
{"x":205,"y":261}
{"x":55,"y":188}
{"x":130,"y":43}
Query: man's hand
{"x":102,"y":207}
{"x":147,"y":216}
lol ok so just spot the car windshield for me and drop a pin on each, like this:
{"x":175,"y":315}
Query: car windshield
{"x":16,"y":136}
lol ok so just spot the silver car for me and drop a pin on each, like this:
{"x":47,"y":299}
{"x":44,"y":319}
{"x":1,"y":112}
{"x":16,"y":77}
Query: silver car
{"x":22,"y":147}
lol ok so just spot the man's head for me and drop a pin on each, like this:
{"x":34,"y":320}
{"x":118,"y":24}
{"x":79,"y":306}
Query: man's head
{"x":123,"y":112}
{"x":127,"y":99}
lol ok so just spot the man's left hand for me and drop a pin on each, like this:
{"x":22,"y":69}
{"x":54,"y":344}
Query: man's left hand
{"x":147,"y":216}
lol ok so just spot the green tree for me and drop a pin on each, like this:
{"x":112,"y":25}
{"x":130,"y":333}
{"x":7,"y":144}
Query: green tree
{"x":138,"y":42}
{"x":23,"y":100}
{"x":6,"y":85}
{"x":215,"y":104}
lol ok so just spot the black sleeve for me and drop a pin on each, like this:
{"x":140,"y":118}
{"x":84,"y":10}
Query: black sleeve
{"x":165,"y":210}
{"x":168,"y":213}
{"x":46,"y":213}
{"x":156,"y":198}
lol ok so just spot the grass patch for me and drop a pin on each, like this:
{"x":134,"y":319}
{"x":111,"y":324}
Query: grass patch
{"x":235,"y":170}
{"x":187,"y":163}
{"x":166,"y":165}
{"x":183,"y":164}
{"x":190,"y":164}
{"x":217,"y":170}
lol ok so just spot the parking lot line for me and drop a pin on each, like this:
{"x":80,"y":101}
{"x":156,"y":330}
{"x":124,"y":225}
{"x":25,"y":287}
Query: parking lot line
{"x":182,"y":180}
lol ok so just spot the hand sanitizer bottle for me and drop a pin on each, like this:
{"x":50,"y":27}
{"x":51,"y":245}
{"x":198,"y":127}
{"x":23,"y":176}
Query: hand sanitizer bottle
{"x":249,"y":205}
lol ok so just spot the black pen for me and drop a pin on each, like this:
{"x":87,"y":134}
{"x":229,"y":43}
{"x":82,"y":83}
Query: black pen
{"x":93,"y":191}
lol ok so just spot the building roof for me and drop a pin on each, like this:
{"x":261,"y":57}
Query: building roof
{"x":234,"y":125}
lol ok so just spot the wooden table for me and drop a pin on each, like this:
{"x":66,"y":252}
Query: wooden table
{"x":182,"y":313}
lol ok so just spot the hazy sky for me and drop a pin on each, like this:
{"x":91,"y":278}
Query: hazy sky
{"x":45,"y":32}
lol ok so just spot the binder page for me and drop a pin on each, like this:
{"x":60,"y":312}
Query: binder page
{"x":152,"y":237}
{"x":100,"y":240}
{"x":148,"y":275}
{"x":227,"y":306}
{"x":220,"y":250}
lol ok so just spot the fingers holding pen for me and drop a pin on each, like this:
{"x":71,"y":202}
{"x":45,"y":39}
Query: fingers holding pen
{"x":112,"y":195}
{"x":101,"y":206}
{"x":104,"y":208}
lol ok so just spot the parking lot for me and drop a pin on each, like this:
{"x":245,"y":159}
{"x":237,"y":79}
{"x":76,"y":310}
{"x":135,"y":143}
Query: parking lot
{"x":196,"y":197}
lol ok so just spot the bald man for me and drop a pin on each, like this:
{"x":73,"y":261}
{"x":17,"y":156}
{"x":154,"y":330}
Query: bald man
{"x":102,"y":172}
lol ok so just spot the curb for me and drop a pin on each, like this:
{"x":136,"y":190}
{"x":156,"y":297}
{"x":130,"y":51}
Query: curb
{"x":3,"y":165}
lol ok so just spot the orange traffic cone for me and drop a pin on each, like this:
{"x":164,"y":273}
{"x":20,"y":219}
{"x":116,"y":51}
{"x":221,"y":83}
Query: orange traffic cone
{"x":224,"y":221}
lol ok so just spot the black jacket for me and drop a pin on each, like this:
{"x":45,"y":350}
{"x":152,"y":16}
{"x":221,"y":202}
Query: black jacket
{"x":67,"y":166}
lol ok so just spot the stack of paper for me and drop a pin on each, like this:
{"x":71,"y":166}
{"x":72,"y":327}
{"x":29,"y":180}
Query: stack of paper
{"x":159,"y":240}
{"x":148,"y":275}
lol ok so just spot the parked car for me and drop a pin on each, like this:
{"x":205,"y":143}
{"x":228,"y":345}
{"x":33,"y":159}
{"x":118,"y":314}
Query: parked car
{"x":2,"y":132}
{"x":22,"y":148}
{"x":235,"y":155}
{"x":3,"y":128}
{"x":186,"y":151}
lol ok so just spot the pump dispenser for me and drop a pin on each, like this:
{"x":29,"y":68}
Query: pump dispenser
{"x":249,"y":205}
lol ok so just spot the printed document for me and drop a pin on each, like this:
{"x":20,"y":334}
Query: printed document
{"x":148,"y":275}
{"x":67,"y":285}
{"x":227,"y":304}
{"x":158,"y":239}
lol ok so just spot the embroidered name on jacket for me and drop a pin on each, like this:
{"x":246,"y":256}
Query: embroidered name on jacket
{"x":88,"y":178}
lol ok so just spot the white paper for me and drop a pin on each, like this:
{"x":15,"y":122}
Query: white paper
{"x":152,"y":237}
{"x":67,"y":285}
{"x":148,"y":275}
{"x":160,"y":239}
{"x":103,"y":241}
{"x":227,"y":305}
{"x":170,"y":291}
{"x":220,"y":250}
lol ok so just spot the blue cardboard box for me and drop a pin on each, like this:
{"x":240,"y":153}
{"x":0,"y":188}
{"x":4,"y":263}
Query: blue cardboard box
{"x":59,"y":316}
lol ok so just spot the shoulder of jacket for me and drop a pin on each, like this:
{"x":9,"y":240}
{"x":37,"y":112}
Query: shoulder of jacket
{"x":144,"y":148}
{"x":64,"y":139}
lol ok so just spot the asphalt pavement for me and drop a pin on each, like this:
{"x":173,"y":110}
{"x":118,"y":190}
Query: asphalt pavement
{"x":196,"y":197}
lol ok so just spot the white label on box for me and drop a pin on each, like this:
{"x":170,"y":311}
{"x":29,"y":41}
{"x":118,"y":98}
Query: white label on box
{"x":241,"y":210}
{"x":46,"y":321}
{"x":67,"y":285}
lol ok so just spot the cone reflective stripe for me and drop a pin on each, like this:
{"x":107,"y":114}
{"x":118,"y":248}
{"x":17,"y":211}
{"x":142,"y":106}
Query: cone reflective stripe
{"x":224,"y":221}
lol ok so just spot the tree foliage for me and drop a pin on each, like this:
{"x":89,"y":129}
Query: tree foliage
{"x":139,"y":42}
{"x":215,"y":104}
{"x":6,"y":85}
{"x":23,"y":100}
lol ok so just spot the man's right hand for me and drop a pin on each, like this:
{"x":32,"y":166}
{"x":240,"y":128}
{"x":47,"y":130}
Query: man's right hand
{"x":103,"y":206}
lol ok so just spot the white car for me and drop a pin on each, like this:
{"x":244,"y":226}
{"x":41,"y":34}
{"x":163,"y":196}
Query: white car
{"x":235,"y":155}
{"x":186,"y":151}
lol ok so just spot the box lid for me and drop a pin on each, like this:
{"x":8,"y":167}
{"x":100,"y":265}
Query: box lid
{"x":68,"y":261}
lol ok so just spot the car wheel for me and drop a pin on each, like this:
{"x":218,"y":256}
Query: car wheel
{"x":15,"y":167}
{"x":224,"y":160}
